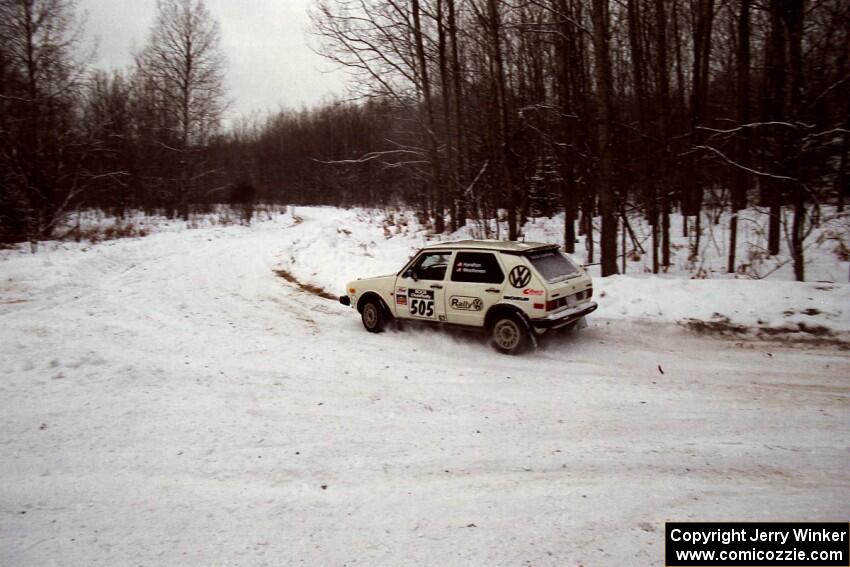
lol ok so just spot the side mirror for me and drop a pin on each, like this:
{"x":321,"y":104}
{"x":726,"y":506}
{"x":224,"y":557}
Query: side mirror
{"x":410,"y":273}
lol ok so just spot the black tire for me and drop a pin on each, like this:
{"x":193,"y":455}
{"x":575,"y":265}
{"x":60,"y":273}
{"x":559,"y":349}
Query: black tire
{"x":509,"y":334}
{"x":373,"y":316}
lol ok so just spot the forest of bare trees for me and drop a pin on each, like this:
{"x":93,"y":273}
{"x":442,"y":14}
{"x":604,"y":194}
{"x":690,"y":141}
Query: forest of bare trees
{"x":73,"y":136}
{"x":464,"y":109}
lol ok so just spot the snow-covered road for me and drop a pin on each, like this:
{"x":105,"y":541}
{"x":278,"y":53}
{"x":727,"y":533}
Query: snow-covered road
{"x":171,"y":401}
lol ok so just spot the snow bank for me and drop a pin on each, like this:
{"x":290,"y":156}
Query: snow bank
{"x":826,"y":249}
{"x":748,"y":303}
{"x":335,"y":246}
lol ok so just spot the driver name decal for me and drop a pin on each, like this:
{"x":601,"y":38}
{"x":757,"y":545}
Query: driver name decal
{"x":470,"y":268}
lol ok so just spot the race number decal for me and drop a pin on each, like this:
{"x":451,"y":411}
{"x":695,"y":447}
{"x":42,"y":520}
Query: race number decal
{"x":421,"y":303}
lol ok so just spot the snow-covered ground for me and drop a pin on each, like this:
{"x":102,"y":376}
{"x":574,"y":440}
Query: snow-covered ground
{"x":171,"y":401}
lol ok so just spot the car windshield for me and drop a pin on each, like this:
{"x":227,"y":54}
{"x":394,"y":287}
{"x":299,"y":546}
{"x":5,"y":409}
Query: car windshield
{"x":553,"y":266}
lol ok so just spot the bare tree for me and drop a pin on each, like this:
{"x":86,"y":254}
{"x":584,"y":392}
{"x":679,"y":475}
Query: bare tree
{"x":41,"y":151}
{"x":663,"y":81}
{"x":605,"y":109}
{"x":644,"y":174}
{"x":741,"y":184}
{"x":702,"y":42}
{"x":490,"y":19}
{"x":184,"y":66}
{"x":108,"y":123}
{"x":424,"y":82}
{"x":773,"y":110}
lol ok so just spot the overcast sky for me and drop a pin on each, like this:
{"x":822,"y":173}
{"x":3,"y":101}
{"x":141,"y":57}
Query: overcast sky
{"x":266,"y":43}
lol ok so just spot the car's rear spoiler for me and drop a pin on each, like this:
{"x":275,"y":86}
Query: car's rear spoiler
{"x":535,"y":250}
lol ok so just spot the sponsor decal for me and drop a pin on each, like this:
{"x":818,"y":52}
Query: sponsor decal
{"x":463,"y":303}
{"x":420,"y":294}
{"x":401,"y":296}
{"x":532,"y":292}
{"x":519,"y":276}
{"x":515,"y":298}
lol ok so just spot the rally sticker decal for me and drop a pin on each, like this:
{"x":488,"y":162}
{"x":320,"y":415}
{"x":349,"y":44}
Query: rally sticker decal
{"x":401,"y":296}
{"x":463,"y":303}
{"x":519,"y":276}
{"x":421,"y":303}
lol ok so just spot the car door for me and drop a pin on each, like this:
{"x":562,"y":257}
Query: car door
{"x":420,"y":289}
{"x":475,"y":284}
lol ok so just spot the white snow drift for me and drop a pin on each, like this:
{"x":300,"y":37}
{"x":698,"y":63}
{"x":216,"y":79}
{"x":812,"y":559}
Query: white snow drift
{"x":171,"y":401}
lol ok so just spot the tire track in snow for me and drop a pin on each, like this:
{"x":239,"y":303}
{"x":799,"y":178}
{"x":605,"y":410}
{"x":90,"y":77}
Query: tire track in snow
{"x":308,"y":288}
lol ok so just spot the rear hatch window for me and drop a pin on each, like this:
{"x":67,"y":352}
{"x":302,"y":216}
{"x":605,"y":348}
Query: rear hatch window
{"x":553,"y":266}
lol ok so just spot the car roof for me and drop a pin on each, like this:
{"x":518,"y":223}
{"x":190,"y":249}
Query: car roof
{"x":508,"y":246}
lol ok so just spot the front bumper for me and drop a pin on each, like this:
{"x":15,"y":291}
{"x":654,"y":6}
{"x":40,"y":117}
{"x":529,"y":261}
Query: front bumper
{"x":565,"y":317}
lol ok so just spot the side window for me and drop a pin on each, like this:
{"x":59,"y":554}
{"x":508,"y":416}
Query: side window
{"x":477,"y":267}
{"x":432,"y":265}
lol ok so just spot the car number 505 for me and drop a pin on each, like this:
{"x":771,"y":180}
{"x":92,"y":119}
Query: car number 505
{"x":421,"y":308}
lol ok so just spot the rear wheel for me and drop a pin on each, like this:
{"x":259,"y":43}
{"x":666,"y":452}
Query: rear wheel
{"x":509,"y":335}
{"x":373,"y":316}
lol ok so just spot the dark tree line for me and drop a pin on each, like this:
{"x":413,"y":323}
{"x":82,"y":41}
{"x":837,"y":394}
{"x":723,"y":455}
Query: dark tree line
{"x":602,"y":108}
{"x":330,"y":155}
{"x":41,"y":83}
{"x":72,"y":136}
{"x":468,"y":110}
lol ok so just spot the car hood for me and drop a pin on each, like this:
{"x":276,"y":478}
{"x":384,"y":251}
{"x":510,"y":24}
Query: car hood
{"x":377,"y":278}
{"x":388,"y":279}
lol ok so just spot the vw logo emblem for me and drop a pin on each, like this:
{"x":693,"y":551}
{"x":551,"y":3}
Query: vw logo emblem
{"x":519,"y":276}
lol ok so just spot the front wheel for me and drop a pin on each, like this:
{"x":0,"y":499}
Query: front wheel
{"x":373,"y":317}
{"x":510,"y":335}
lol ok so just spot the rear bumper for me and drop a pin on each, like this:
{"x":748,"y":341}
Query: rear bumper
{"x":345,"y":300}
{"x":565,"y":317}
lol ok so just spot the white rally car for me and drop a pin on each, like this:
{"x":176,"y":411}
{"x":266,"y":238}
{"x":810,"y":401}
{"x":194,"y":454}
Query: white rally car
{"x":513,"y":290}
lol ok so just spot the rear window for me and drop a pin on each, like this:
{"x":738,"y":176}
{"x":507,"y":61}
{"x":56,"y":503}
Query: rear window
{"x":553,"y":266}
